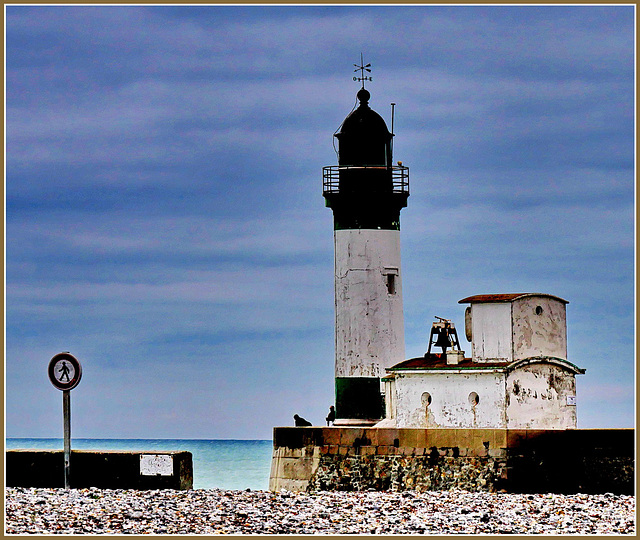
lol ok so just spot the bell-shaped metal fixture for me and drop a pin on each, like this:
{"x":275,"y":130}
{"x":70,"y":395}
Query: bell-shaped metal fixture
{"x":443,"y":340}
{"x":445,"y":334}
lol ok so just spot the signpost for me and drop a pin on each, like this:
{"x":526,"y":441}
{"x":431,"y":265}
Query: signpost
{"x":65,"y":373}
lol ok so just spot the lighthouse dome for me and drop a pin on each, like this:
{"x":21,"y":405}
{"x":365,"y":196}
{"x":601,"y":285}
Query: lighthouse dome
{"x":363,"y":138}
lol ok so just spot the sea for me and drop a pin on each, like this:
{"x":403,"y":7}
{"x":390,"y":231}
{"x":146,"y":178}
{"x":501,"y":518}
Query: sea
{"x":219,"y":463}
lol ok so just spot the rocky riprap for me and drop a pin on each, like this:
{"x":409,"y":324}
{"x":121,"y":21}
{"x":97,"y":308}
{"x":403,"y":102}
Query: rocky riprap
{"x":83,"y":511}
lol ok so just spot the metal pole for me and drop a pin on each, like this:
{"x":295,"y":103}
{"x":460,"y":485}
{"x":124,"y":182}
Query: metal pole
{"x":393,"y":107}
{"x":393,"y":110}
{"x":66,"y":412}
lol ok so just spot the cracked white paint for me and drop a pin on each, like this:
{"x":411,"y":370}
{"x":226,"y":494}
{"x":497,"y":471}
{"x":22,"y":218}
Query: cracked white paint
{"x":369,"y":320}
{"x":527,"y":327}
{"x":535,"y":396}
{"x":450,"y":406}
{"x":539,"y":327}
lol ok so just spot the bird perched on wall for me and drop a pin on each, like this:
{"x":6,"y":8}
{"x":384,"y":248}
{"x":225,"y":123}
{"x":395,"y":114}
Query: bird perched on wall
{"x":301,"y":422}
{"x":331,"y":417}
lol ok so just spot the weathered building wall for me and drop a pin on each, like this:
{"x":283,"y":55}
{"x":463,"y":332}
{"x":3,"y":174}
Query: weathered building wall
{"x":533,"y":461}
{"x":539,"y":327}
{"x":455,"y":399}
{"x":528,"y":326}
{"x":368,"y":296}
{"x":541,"y":396}
{"x":491,"y":332}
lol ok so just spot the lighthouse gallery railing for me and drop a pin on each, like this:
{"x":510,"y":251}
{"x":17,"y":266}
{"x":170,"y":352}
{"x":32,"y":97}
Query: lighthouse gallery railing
{"x":331,"y":177}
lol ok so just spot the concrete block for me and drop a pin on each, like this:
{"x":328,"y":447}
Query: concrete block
{"x":331,"y":435}
{"x":311,"y":451}
{"x":274,"y":481}
{"x":410,"y":437}
{"x":313,"y":436}
{"x":438,"y":437}
{"x":383,"y":436}
{"x":289,"y":437}
{"x":492,"y":436}
{"x":298,"y":468}
{"x":480,"y":438}
{"x":276,"y":465}
{"x":289,"y":484}
{"x":499,"y":439}
{"x":349,"y":435}
{"x":516,"y":438}
{"x":101,"y":469}
{"x":288,"y":467}
{"x":446,"y":437}
{"x":462,"y":438}
{"x":420,"y":438}
{"x":534,"y":436}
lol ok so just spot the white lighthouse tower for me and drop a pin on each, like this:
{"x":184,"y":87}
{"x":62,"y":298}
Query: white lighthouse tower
{"x":366,"y":193}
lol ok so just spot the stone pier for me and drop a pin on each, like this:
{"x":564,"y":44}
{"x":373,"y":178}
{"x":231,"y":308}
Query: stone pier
{"x":385,"y":459}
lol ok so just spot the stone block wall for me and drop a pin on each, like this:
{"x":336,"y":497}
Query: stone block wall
{"x":356,"y":459}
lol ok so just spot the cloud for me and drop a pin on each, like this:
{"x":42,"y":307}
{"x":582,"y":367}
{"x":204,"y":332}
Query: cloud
{"x":164,"y":212}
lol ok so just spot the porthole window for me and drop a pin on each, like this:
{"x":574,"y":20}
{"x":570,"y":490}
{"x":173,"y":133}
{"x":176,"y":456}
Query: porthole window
{"x":539,"y":310}
{"x":426,"y":399}
{"x":474,"y":399}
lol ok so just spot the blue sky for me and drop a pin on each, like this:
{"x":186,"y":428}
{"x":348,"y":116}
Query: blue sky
{"x":164,"y":212}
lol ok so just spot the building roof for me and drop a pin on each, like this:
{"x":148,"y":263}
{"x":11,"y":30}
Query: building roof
{"x":507,"y":297}
{"x":438,"y":361}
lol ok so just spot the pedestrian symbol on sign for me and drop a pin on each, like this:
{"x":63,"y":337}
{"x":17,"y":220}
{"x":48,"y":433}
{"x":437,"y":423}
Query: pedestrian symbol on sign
{"x":64,"y":371}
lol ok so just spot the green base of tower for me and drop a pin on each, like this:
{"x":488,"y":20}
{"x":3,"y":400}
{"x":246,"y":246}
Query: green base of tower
{"x":359,"y":398}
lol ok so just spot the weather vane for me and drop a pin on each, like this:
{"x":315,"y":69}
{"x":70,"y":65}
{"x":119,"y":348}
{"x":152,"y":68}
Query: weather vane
{"x":362,"y":68}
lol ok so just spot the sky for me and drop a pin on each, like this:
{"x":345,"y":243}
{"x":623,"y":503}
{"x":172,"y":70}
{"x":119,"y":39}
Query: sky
{"x":164,"y":218}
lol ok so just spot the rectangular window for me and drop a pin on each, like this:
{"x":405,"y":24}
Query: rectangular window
{"x":390,"y":275}
{"x":391,"y":283}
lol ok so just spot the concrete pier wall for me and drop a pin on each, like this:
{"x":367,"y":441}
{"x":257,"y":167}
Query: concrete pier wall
{"x":524,"y":461}
{"x":100,"y":469}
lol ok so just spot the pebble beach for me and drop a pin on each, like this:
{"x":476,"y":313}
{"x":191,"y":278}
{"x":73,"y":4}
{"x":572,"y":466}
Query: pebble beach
{"x":212,"y":511}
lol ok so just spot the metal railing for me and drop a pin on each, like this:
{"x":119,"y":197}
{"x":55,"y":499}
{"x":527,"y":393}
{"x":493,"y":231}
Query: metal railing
{"x":331,"y":177}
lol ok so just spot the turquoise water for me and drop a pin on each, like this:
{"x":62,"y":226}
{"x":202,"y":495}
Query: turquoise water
{"x":224,"y":464}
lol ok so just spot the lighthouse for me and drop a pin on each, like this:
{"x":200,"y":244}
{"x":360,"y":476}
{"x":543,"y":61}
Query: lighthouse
{"x":366,"y":192}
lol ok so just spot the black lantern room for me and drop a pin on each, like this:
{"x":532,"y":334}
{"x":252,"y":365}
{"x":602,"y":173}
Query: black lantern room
{"x":365,"y":190}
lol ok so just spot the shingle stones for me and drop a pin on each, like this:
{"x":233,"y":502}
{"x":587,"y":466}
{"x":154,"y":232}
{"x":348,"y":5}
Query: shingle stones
{"x":81,"y":511}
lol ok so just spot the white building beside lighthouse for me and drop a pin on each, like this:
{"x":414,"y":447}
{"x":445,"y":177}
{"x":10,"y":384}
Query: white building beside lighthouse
{"x":518,"y":375}
{"x":366,"y":193}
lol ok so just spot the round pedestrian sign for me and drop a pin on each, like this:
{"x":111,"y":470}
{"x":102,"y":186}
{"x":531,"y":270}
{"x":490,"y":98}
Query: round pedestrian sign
{"x":65,"y":371}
